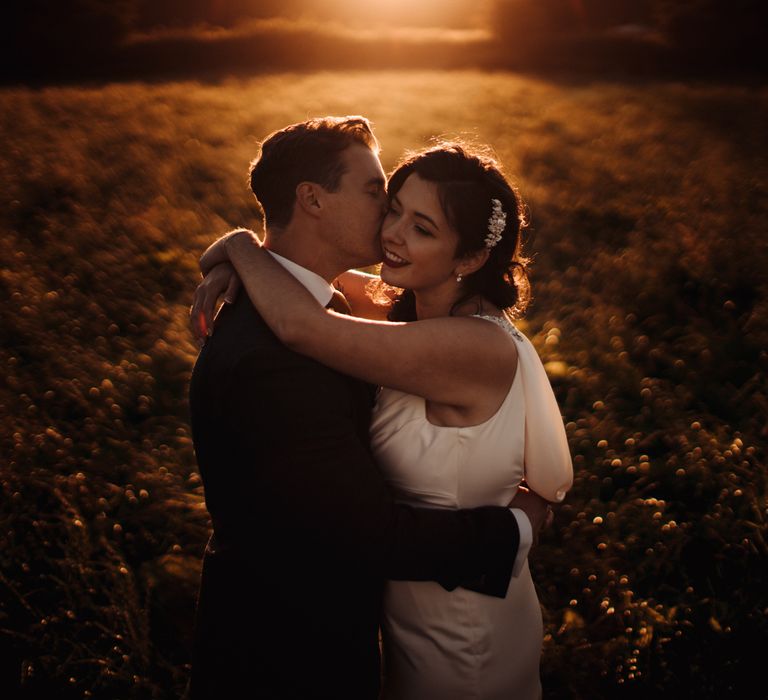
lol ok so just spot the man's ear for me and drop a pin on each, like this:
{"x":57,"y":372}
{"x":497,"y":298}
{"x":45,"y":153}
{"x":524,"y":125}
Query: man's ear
{"x":472,"y":262}
{"x":308,"y":197}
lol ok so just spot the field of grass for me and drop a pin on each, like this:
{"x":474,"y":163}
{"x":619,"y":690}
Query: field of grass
{"x":649,"y":205}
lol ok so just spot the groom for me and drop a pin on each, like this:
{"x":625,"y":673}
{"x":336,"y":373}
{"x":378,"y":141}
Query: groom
{"x":304,"y":529}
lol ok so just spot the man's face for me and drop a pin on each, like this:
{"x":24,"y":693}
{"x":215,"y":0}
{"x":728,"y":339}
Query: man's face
{"x":355,"y":212}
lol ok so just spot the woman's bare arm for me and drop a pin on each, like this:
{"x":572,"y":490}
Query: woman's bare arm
{"x":215,"y":254}
{"x":353,"y":284}
{"x":453,"y":361}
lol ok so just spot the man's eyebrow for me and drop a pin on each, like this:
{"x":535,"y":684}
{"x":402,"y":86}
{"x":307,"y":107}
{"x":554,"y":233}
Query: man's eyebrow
{"x":377,"y":180}
{"x":417,"y":214}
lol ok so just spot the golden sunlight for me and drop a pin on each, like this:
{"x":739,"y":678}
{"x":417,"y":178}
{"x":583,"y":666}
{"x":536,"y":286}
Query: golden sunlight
{"x":425,"y":13}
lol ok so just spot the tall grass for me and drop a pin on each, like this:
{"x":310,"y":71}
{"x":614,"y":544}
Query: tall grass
{"x":648,"y":205}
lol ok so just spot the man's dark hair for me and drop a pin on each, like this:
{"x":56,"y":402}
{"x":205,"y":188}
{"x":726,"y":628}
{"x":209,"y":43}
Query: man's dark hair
{"x":309,"y":151}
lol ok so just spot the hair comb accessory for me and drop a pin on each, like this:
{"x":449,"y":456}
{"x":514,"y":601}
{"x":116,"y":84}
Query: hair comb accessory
{"x":496,"y":223}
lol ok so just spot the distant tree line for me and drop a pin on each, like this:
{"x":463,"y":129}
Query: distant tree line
{"x":723,"y":24}
{"x":718,"y":25}
{"x":104,"y":21}
{"x":521,"y":17}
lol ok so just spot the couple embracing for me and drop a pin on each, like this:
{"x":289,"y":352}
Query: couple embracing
{"x":362,"y":454}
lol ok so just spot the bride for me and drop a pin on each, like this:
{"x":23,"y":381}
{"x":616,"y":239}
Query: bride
{"x":465,"y":412}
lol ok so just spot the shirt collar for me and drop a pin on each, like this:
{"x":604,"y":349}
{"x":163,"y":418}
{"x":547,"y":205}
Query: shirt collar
{"x":316,"y":285}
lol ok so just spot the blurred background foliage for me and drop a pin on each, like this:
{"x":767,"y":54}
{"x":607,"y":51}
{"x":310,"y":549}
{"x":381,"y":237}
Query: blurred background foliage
{"x":648,"y":204}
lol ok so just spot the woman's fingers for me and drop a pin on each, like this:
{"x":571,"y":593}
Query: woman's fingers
{"x":232,"y":288}
{"x":208,"y":309}
{"x":222,"y":279}
{"x":197,"y":314}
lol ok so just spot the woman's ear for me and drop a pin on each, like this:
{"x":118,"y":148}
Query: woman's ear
{"x":308,"y":198}
{"x":472,"y":262}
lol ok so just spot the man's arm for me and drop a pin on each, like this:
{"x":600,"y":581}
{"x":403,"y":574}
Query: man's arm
{"x":327,"y":493}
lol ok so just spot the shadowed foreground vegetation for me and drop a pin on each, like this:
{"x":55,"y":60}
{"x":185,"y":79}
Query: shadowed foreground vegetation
{"x":651,"y":312}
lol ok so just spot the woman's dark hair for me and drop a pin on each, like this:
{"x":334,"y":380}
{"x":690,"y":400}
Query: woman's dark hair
{"x":467,"y":180}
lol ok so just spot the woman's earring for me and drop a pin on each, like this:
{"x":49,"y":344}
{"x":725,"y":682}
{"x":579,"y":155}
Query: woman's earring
{"x":458,"y":277}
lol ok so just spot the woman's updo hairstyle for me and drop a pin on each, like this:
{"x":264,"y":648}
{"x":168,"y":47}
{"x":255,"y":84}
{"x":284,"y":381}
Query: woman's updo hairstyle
{"x":467,"y":180}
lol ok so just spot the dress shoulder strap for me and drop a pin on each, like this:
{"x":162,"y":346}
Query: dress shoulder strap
{"x":505,"y":323}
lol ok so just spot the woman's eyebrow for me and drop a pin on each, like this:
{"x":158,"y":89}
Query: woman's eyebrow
{"x":417,"y":214}
{"x":424,"y":216}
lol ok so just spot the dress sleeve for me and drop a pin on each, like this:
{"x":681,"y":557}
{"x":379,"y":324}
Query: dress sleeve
{"x":548,"y":466}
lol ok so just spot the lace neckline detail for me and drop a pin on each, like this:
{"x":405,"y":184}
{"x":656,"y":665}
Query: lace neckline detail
{"x":504,"y":322}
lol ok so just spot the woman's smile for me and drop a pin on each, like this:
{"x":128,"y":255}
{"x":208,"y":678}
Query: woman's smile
{"x":393,"y":260}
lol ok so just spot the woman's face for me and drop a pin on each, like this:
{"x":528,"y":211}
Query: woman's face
{"x":419,"y":244}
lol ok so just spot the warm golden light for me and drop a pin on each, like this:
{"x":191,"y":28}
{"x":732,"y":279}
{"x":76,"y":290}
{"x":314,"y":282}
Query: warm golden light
{"x":429,"y":13}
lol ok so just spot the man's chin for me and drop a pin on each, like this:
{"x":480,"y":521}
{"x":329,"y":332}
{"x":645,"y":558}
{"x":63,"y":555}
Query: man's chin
{"x":374,"y":259}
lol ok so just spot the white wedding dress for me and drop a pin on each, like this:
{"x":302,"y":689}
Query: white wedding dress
{"x":461,"y":645}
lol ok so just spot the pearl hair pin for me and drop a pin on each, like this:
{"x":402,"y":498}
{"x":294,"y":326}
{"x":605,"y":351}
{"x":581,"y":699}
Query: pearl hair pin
{"x":496,"y":223}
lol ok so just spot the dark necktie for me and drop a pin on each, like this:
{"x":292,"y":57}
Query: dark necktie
{"x":339,"y":303}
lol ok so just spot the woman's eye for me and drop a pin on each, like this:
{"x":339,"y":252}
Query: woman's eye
{"x":423,"y":231}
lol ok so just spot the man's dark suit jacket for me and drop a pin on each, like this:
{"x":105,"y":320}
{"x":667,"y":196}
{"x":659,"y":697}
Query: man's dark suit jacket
{"x":305,"y":530}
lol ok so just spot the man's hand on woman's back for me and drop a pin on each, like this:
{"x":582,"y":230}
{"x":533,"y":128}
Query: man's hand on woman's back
{"x":538,"y":509}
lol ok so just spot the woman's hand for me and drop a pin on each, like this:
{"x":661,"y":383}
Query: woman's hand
{"x":221,"y":280}
{"x":217,"y":253}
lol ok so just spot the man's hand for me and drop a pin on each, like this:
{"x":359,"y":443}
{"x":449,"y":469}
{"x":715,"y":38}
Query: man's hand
{"x":222,"y":279}
{"x":538,"y":509}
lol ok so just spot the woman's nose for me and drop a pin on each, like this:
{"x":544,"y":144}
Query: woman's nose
{"x":392,"y":230}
